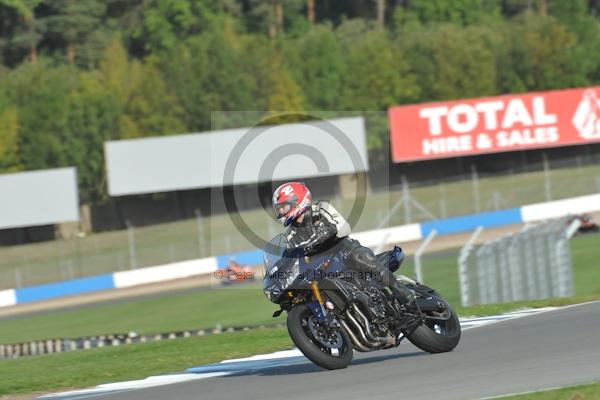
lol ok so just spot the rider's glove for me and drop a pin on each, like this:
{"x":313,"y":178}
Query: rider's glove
{"x":323,"y":232}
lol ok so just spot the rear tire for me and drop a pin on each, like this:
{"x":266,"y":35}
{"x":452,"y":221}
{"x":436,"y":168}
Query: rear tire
{"x":310,"y":346}
{"x":437,"y":337}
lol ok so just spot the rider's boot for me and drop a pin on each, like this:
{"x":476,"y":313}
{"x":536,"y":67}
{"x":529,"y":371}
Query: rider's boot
{"x":401,"y":292}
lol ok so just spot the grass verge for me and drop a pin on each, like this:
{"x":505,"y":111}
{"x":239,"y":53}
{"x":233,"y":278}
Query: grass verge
{"x":581,"y":392}
{"x":174,"y":312}
{"x":111,"y":364}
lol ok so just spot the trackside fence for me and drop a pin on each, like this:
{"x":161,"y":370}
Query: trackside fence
{"x":534,"y":263}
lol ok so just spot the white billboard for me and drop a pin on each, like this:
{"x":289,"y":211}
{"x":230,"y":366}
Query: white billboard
{"x":35,"y":198}
{"x":236,"y":156}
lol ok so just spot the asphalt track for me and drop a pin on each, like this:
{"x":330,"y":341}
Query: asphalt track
{"x":540,"y":351}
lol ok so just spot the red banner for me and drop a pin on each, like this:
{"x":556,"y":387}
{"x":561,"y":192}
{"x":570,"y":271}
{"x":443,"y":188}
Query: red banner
{"x":495,"y":124}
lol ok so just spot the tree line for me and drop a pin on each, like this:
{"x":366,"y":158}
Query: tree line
{"x":76,"y":73}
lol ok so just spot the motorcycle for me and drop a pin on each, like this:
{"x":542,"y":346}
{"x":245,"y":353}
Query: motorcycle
{"x":333,"y":310}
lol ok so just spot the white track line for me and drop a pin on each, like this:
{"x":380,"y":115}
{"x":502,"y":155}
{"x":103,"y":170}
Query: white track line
{"x":153,"y":381}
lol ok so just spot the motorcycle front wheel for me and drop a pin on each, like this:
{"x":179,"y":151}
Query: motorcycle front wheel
{"x":329,"y":349}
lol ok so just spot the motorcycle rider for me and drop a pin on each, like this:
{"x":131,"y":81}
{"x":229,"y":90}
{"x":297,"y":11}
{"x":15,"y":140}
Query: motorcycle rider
{"x":318,"y":228}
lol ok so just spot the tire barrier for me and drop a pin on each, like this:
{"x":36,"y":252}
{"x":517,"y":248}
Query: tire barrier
{"x":62,"y":345}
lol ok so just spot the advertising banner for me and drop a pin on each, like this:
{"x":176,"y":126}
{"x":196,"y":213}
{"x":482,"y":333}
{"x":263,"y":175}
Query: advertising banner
{"x":495,"y":124}
{"x":266,"y":153}
{"x":35,"y":198}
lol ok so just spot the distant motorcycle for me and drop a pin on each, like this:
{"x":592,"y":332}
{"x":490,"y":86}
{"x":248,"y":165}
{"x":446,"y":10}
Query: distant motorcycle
{"x":236,"y":273}
{"x":587,"y":223}
{"x":333,"y":310}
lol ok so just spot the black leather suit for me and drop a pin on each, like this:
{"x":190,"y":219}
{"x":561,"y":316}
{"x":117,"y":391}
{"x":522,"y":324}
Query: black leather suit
{"x":324,"y":230}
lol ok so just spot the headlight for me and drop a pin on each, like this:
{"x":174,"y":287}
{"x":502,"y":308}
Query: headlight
{"x":292,"y":274}
{"x":272,"y":292}
{"x":279,"y":281}
{"x":267,"y":293}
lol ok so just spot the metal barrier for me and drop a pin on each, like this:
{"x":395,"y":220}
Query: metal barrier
{"x":534,"y":263}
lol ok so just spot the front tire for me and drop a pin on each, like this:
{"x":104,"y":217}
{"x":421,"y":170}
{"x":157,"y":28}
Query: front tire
{"x":437,"y":336}
{"x":313,"y":348}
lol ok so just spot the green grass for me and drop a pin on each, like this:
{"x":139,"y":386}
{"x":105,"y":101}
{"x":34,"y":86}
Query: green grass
{"x":581,"y":392}
{"x":137,"y":361}
{"x":585,"y":251}
{"x":106,"y":252}
{"x":227,"y":307}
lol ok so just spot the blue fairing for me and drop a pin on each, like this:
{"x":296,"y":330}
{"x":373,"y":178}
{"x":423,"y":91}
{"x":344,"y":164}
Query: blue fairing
{"x":294,"y":270}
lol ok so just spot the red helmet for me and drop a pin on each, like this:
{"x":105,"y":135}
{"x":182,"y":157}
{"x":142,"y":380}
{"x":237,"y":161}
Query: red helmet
{"x":290,"y":201}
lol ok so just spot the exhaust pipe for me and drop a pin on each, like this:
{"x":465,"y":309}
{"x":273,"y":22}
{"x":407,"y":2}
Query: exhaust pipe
{"x":360,"y":330}
{"x":381,"y":341}
{"x":357,"y":344}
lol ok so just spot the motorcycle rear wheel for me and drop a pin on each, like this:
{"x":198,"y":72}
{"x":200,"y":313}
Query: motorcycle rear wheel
{"x":437,"y":336}
{"x":314,"y":348}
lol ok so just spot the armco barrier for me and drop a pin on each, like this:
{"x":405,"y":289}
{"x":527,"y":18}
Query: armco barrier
{"x":178,"y":270}
{"x":8,"y":298}
{"x":373,"y":238}
{"x":560,"y":208}
{"x":467,"y":223}
{"x":396,"y":234}
{"x":66,"y":288}
{"x":117,"y":280}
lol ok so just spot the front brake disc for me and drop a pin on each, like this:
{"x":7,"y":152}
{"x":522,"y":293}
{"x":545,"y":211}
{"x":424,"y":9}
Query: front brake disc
{"x":327,"y":337}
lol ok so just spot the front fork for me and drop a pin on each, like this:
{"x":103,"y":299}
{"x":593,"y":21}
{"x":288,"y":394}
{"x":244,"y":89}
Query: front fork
{"x":317,"y":306}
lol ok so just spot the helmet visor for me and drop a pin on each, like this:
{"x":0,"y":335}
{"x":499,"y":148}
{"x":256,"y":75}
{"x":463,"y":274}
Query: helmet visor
{"x":282,"y":209}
